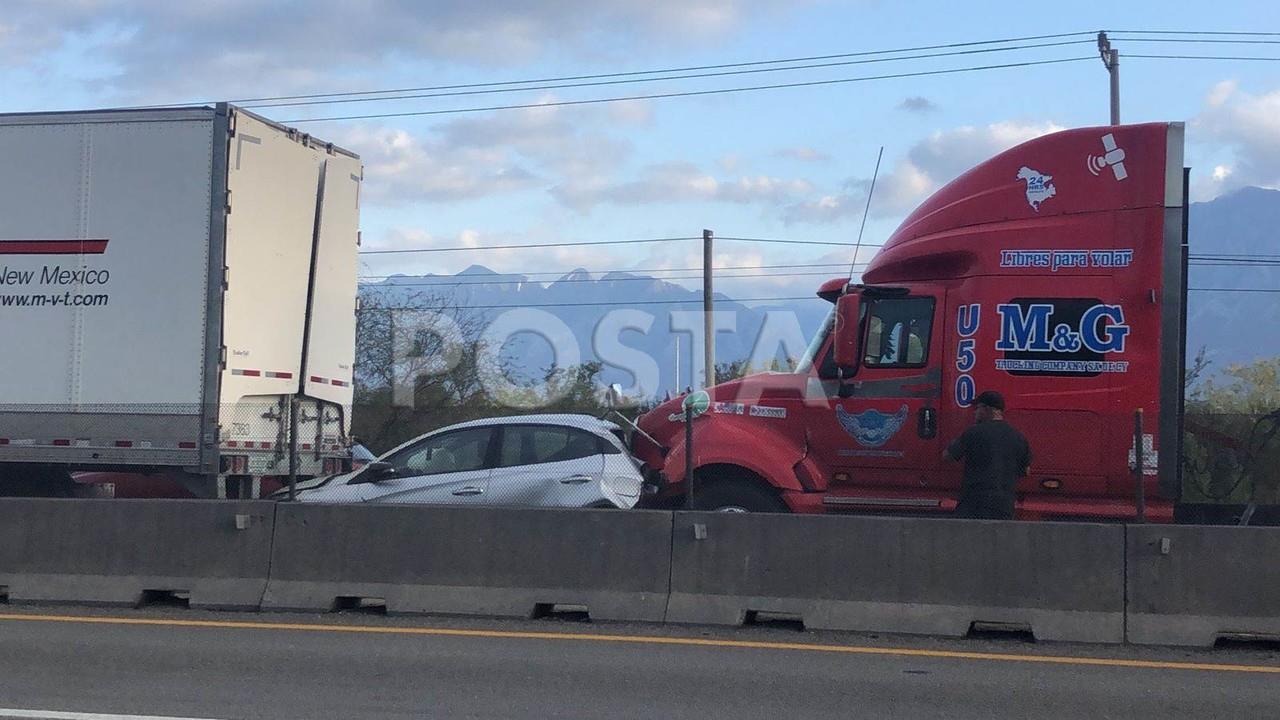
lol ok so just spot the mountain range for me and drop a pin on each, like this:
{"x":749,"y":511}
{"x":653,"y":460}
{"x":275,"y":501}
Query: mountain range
{"x":1233,"y":327}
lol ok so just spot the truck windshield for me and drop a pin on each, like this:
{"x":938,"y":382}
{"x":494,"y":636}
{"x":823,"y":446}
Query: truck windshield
{"x":820,"y":337}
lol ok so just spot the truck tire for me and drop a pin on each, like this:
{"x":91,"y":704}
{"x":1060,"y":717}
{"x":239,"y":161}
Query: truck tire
{"x":734,"y":495}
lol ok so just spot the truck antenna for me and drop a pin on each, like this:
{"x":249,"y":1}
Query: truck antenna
{"x":865,"y":212}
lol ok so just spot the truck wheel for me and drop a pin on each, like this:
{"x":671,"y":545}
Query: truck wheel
{"x":736,"y":496}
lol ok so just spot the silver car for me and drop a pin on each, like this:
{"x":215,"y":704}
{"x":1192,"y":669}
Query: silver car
{"x":529,"y":460}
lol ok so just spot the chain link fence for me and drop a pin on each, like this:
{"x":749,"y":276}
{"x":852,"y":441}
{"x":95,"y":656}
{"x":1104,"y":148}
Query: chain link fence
{"x":1231,"y":461}
{"x":478,"y":455}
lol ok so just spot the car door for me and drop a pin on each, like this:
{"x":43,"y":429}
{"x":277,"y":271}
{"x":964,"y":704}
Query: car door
{"x":451,"y":468}
{"x":547,"y":466}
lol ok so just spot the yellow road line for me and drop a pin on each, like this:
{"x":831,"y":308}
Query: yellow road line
{"x":649,"y":640}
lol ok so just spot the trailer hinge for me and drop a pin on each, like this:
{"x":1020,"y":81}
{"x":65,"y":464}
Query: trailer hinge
{"x":231,"y":123}
{"x":227,"y":205}
{"x":222,"y":357}
{"x":226,"y":277}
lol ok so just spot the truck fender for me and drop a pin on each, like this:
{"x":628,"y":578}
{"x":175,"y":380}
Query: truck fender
{"x":770,"y":455}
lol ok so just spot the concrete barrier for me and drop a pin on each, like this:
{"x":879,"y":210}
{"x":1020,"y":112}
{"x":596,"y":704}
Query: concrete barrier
{"x":1062,"y":581}
{"x":472,"y":561}
{"x":116,"y":551}
{"x":1190,"y":585}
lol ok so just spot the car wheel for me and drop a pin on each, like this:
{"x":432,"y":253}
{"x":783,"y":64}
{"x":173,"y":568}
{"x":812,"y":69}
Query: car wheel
{"x":736,"y":496}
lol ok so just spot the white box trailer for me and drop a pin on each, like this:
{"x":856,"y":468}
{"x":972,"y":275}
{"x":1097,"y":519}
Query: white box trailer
{"x":172,"y":281}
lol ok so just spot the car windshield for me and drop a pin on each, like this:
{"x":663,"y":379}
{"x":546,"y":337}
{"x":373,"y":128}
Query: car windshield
{"x":819,"y":338}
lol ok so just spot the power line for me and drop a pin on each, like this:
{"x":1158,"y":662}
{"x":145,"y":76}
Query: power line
{"x":582,"y":243}
{"x":559,"y":273}
{"x":625,"y":81}
{"x":694,"y":93}
{"x":1194,"y":256}
{"x":556,"y":277}
{"x":691,"y":68}
{"x":1196,"y":32}
{"x":1198,"y":41}
{"x":1235,"y":290}
{"x":698,"y":301}
{"x":693,"y":301}
{"x":1200,"y":57}
{"x":446,"y":281}
{"x":390,"y":285}
{"x":527,"y":245}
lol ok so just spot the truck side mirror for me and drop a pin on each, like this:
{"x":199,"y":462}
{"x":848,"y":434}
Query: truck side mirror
{"x":847,"y":334}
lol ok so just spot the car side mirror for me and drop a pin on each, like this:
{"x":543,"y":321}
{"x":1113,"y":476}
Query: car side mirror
{"x":374,"y":472}
{"x":847,"y":335}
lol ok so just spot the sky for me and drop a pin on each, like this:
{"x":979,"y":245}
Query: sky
{"x":791,"y":163}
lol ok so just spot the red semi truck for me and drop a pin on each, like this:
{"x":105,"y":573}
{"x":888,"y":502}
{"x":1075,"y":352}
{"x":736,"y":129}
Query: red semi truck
{"x":1053,"y":272}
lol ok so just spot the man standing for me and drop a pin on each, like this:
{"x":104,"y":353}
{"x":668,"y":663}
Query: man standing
{"x":995,"y":455}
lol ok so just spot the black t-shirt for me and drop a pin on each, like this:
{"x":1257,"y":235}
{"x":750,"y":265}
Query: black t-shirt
{"x":995,"y":455}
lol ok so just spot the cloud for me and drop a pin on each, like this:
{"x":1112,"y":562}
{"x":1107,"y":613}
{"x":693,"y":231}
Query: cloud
{"x":918,"y":104}
{"x":481,"y":156}
{"x":806,"y":154}
{"x":681,"y":182}
{"x":506,"y":260}
{"x":945,"y":154}
{"x":1249,"y":126}
{"x":545,"y":135}
{"x":928,"y":165}
{"x":401,"y":168}
{"x":230,"y":47}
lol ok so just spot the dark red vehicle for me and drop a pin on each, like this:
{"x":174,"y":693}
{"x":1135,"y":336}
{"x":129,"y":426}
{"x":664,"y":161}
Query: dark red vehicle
{"x":1052,"y":273}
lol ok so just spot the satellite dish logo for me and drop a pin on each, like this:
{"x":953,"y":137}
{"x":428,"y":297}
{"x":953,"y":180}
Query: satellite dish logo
{"x":1113,"y":158}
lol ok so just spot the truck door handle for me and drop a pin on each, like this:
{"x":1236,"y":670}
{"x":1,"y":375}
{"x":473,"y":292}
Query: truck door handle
{"x":927,"y":425}
{"x":576,"y":480}
{"x":469,"y":490}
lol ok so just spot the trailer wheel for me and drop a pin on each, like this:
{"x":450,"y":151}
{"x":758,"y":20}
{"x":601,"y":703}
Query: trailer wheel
{"x":737,"y":495}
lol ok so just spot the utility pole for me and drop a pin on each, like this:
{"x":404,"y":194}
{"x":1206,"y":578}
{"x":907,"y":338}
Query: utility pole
{"x":708,"y":326}
{"x":1111,"y":61}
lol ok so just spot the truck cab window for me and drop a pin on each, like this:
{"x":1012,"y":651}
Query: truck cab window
{"x":898,"y":332}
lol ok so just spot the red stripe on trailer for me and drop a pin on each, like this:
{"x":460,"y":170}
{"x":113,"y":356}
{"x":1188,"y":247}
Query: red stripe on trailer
{"x":187,"y":445}
{"x":62,"y":443}
{"x":317,"y":379}
{"x":264,"y":445}
{"x":124,"y":443}
{"x":4,"y":441}
{"x":306,"y":446}
{"x":53,"y":247}
{"x":279,"y":375}
{"x":231,"y":443}
{"x":247,"y":373}
{"x":340,"y":383}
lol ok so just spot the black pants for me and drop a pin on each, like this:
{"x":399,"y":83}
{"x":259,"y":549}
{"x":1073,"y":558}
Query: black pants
{"x":985,"y":507}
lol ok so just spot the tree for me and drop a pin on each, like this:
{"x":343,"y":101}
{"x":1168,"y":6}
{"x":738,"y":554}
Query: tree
{"x":1231,"y":446}
{"x":415,"y":365}
{"x":403,"y":389}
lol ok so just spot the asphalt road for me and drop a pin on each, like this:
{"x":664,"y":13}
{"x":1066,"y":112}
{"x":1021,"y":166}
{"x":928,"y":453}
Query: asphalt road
{"x":60,"y":662}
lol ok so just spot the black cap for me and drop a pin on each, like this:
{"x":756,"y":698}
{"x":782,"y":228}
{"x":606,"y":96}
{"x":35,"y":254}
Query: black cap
{"x":991,"y":399}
